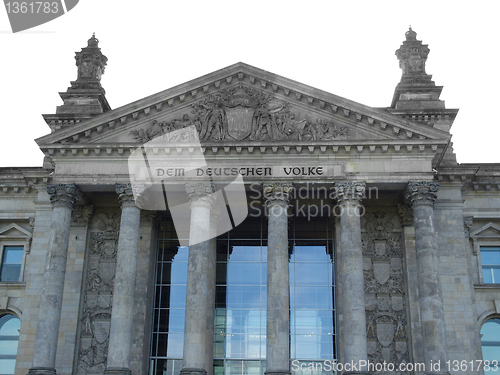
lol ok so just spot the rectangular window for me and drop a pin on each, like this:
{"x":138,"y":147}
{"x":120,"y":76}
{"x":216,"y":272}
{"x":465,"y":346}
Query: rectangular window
{"x":12,"y":259}
{"x":490,"y":259}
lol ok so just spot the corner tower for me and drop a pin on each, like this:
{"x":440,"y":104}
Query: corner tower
{"x":85,"y":97}
{"x":416,"y":97}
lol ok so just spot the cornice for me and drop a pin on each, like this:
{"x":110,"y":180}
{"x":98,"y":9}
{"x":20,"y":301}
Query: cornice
{"x":20,"y":181}
{"x":368,"y":147}
{"x":473,"y":177}
{"x":295,"y":92}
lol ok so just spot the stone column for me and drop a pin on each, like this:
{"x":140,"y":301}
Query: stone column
{"x":278,"y":304}
{"x":212,"y":265}
{"x":351,"y":279}
{"x":422,"y":196}
{"x":63,"y":198}
{"x":201,"y":197}
{"x":120,"y":336}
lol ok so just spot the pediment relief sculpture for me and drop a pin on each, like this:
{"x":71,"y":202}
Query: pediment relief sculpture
{"x":243,"y":114}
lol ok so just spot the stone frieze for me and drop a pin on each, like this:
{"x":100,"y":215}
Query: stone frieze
{"x":244,"y":114}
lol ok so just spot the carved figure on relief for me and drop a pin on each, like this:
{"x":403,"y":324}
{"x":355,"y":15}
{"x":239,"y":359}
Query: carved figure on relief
{"x":243,"y":113}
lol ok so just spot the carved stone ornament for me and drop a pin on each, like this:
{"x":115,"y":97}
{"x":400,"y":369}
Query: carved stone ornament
{"x":385,"y":299}
{"x":91,"y":64}
{"x":81,"y":215}
{"x":31,"y":222}
{"x":200,"y":192}
{"x":129,"y":194}
{"x":63,"y":195}
{"x":277,"y":192}
{"x":350,"y":192}
{"x":422,"y":192}
{"x":406,"y":214}
{"x":244,"y":114}
{"x":412,"y":56}
{"x":95,"y":320}
{"x":468,"y":220}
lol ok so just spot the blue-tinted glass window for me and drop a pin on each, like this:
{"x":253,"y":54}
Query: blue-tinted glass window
{"x":490,"y":342}
{"x":12,"y":259}
{"x":312,"y":309}
{"x":9,"y":339}
{"x":241,"y":298}
{"x":490,"y":259}
{"x":167,"y":342}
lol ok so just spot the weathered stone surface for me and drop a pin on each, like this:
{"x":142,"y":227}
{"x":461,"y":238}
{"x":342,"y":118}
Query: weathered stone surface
{"x":277,"y":345}
{"x":63,"y":198}
{"x":351,"y":272}
{"x":120,"y":336}
{"x":422,"y":196}
{"x":200,"y":281}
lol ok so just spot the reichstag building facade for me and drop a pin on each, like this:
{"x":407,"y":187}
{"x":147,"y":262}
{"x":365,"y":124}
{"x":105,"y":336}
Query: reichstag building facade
{"x":245,"y":223}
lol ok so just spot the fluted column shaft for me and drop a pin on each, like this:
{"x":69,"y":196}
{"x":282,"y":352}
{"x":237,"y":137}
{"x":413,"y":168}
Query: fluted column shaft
{"x":212,"y":265}
{"x":351,"y":277}
{"x":422,"y":196}
{"x":201,"y":197}
{"x":63,"y":198}
{"x":278,"y":304}
{"x":120,"y":337}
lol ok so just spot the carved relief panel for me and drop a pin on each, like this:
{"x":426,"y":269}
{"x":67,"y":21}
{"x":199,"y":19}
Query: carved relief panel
{"x":98,"y":294}
{"x":385,"y":300}
{"x":243,"y":113}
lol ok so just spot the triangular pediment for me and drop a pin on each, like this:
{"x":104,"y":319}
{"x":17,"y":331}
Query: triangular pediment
{"x":489,"y":230}
{"x":14,"y":231}
{"x":241,"y":105}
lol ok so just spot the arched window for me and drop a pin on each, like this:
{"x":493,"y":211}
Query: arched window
{"x":490,"y":342}
{"x":9,"y":338}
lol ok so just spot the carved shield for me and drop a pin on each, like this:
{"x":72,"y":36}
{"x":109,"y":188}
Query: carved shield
{"x":239,"y":122}
{"x":397,"y":303}
{"x":383,"y":302}
{"x":107,"y":271}
{"x":381,"y":271}
{"x":101,"y":330}
{"x":385,"y":333}
{"x":380,"y":247}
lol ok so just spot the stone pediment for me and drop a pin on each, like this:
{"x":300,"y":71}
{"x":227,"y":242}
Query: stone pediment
{"x":242,"y":105}
{"x":487,"y":231}
{"x":14,"y":231}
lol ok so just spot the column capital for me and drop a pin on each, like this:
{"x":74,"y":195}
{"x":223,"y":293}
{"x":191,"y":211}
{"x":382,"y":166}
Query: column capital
{"x":422,"y":192}
{"x":131,"y":195}
{"x":350,"y":192}
{"x":63,"y":195}
{"x":277,"y":192}
{"x":200,"y":192}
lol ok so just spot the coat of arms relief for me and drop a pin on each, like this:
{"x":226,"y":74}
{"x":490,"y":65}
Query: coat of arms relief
{"x":244,"y":114}
{"x":385,"y":297}
{"x":98,"y":298}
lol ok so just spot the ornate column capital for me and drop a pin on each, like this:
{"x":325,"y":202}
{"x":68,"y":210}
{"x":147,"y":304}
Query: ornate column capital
{"x":81,"y":215}
{"x":63,"y":195}
{"x":200,"y":192}
{"x":131,"y":195}
{"x":351,"y":193}
{"x":277,"y":192}
{"x":422,"y":192}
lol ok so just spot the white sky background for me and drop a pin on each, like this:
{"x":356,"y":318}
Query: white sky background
{"x":343,"y":47}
